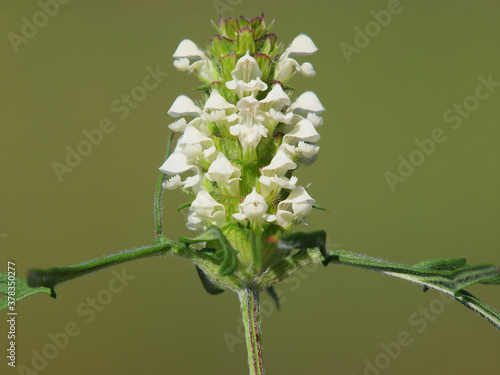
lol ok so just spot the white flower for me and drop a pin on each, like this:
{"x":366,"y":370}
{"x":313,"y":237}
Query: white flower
{"x":246,"y":77}
{"x":295,"y":207}
{"x":249,"y":129}
{"x":254,"y":209}
{"x":183,"y":106}
{"x":217,"y":108}
{"x":208,"y":209}
{"x":308,"y":102}
{"x":280,"y":164}
{"x":271,"y":186}
{"x":225,"y":174}
{"x":308,"y":152}
{"x":187,"y":51}
{"x":276,"y":98}
{"x":304,"y":130}
{"x":302,"y":45}
{"x":194,"y":221}
{"x":190,"y":146}
{"x":194,"y":136}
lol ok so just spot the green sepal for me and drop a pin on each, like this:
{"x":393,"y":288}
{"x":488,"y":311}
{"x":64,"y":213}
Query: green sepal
{"x":229,"y":27}
{"x":266,"y":44}
{"x":221,"y":46}
{"x":227,"y":65}
{"x":22,"y":290}
{"x":209,"y":286}
{"x":258,"y":25}
{"x":265,"y":65}
{"x":245,"y":42}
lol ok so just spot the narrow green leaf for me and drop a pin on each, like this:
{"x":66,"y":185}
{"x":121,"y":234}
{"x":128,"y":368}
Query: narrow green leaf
{"x":480,"y":308}
{"x":51,"y":277}
{"x":22,"y":290}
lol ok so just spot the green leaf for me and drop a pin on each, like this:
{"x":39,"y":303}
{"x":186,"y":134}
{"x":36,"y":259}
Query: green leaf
{"x":229,"y":261}
{"x":209,"y":286}
{"x":449,"y":275}
{"x":51,"y":277}
{"x":304,"y":240}
{"x":22,"y":290}
{"x":483,"y":310}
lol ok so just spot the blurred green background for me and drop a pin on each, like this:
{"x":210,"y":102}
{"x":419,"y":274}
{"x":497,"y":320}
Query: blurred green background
{"x":64,"y":79}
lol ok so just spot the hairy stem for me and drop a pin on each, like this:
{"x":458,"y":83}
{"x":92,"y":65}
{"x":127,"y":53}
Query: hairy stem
{"x":250,"y":312}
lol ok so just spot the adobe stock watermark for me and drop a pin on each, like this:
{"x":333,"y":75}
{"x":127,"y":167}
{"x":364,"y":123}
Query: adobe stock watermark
{"x":122,"y":107}
{"x":86,"y":312}
{"x":453,"y":116}
{"x":268,"y":307}
{"x":31,"y":25}
{"x":223,"y":6}
{"x":419,"y":322}
{"x":363,"y":36}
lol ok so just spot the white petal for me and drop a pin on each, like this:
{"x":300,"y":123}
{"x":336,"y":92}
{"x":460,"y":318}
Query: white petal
{"x":217,"y":101}
{"x":315,"y":119}
{"x":192,"y":181}
{"x":204,"y":205}
{"x":173,"y":182}
{"x":277,"y":95}
{"x":178,"y":126}
{"x":307,"y":70}
{"x":194,"y":136}
{"x":176,"y":163}
{"x":307,"y":149}
{"x":183,"y":106}
{"x":194,"y":221}
{"x":303,"y":131}
{"x":210,"y":154}
{"x":308,"y":102}
{"x":182,"y":64}
{"x":246,"y":69}
{"x":279,"y":165}
{"x":239,"y":216}
{"x":187,"y":48}
{"x":215,"y":115}
{"x":281,"y":117}
{"x":302,"y":45}
{"x":221,"y":170}
{"x":300,"y":201}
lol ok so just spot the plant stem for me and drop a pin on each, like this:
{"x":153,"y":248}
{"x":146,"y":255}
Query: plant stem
{"x":250,"y":312}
